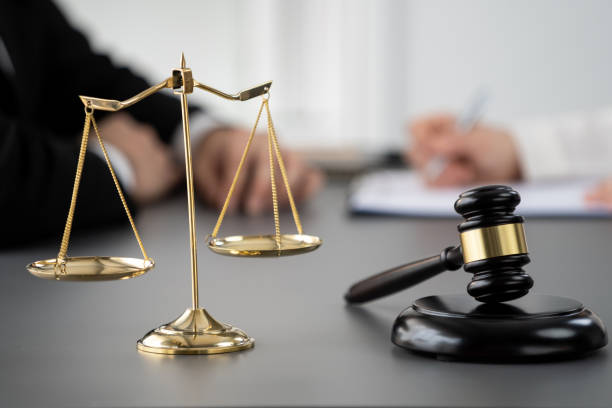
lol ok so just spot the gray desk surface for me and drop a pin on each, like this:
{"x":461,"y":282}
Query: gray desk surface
{"x":74,"y":344}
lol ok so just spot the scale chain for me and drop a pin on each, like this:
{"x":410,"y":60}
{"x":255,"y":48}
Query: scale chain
{"x":235,"y":180}
{"x":273,"y":152}
{"x":119,"y":191}
{"x":61,"y":256}
{"x":281,"y":165}
{"x":277,"y":237}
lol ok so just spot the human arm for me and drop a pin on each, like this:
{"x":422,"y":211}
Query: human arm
{"x":568,"y":145}
{"x":37,"y":172}
{"x":578,"y":144}
{"x":72,"y":68}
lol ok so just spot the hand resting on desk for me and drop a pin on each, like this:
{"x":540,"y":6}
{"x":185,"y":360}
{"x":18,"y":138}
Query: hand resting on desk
{"x":217,"y":157}
{"x":215,"y":160}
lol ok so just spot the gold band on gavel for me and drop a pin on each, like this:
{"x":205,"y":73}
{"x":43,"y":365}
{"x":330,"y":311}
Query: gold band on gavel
{"x":489,"y":242}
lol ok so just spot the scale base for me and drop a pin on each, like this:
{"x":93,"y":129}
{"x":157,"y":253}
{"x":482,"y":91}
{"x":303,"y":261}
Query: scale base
{"x":529,"y":329}
{"x":195,"y":332}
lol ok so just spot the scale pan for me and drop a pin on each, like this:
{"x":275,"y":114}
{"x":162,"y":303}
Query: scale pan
{"x":264,"y":245}
{"x":92,"y":268}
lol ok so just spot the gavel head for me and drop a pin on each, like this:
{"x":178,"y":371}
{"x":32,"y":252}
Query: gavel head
{"x":493,"y":243}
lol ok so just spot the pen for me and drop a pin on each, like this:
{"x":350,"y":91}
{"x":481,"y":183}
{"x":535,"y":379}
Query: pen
{"x":466,"y":122}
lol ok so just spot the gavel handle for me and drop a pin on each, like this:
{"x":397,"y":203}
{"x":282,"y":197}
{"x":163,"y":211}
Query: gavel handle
{"x":404,"y":276}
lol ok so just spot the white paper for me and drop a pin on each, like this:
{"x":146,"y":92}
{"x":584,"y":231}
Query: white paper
{"x":402,"y":192}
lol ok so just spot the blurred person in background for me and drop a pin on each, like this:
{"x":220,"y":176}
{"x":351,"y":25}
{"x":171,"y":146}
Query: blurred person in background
{"x":571,"y":145}
{"x":44,"y":65}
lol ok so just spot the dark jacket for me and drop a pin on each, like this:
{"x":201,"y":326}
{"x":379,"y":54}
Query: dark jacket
{"x":41,"y":120}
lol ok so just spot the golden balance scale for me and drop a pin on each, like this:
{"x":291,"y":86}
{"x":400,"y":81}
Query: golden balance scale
{"x":195,"y":331}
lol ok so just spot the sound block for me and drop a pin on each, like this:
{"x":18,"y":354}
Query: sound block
{"x":532,"y":328}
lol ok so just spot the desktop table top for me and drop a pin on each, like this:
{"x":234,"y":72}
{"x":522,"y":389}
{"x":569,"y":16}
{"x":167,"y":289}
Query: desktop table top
{"x":74,"y":344}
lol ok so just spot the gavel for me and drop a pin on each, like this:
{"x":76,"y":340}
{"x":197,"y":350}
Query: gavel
{"x":493,"y":248}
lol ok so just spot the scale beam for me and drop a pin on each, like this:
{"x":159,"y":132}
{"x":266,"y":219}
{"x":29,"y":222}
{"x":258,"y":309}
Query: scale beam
{"x":112,"y":105}
{"x":174,"y":82}
{"x":240,"y":96}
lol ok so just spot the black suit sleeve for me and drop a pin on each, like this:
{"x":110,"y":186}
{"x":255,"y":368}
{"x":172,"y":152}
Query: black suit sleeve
{"x":72,"y":69}
{"x":36,"y":176}
{"x":39,"y":140}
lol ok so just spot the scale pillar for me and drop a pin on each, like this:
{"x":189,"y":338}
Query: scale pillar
{"x":183,"y":78}
{"x":195,"y":331}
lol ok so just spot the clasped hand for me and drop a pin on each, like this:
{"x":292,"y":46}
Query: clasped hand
{"x":215,"y":160}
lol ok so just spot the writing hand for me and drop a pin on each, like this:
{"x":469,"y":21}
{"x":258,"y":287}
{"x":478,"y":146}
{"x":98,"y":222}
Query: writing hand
{"x":483,"y":154}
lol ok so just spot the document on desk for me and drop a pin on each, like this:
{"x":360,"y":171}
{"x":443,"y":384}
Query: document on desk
{"x":402,"y":192}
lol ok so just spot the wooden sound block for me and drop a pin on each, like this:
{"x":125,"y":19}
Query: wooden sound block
{"x":532,"y":328}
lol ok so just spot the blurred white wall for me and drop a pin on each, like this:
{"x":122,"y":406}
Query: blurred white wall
{"x":350,"y":73}
{"x":534,"y":56}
